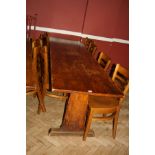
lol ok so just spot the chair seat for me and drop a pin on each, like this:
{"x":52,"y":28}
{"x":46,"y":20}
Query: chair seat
{"x":102,"y":102}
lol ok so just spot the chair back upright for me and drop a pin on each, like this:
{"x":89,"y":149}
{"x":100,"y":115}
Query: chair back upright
{"x":44,"y":38}
{"x":36,"y":43}
{"x":45,"y":43}
{"x":37,"y":67}
{"x":46,"y":65}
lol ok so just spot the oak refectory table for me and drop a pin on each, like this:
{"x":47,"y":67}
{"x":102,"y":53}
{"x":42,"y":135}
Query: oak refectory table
{"x":74,"y":71}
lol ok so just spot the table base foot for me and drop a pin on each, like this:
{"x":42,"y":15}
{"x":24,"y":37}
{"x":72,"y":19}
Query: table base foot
{"x":60,"y":132}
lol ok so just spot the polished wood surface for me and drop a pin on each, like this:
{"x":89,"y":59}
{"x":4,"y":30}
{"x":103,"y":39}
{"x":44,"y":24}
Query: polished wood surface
{"x":74,"y":71}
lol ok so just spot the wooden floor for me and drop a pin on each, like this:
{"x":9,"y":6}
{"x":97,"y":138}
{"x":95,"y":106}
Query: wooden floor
{"x":39,"y":143}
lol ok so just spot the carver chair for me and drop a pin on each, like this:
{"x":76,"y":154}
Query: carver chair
{"x":108,"y":107}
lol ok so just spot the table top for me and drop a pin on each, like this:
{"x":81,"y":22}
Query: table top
{"x":73,"y":69}
{"x":29,"y":72}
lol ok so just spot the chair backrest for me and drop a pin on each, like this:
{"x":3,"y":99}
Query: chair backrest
{"x":37,"y":67}
{"x":41,"y":47}
{"x":45,"y":54}
{"x":121,"y":78}
{"x":44,"y":39}
{"x":92,"y":48}
{"x":104,"y":60}
{"x":87,"y":42}
{"x":36,"y":43}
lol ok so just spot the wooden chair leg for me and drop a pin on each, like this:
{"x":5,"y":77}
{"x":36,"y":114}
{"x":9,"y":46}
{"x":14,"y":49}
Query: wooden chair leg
{"x":88,"y":123}
{"x":115,"y":121}
{"x":41,"y":106}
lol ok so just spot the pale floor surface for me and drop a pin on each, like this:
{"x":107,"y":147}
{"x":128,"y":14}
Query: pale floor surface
{"x":39,"y":143}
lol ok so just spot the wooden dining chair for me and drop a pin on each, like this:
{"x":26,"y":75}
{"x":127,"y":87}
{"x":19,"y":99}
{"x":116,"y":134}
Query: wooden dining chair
{"x":121,"y":78}
{"x":104,"y":60}
{"x":92,"y":48}
{"x":44,"y":39}
{"x":108,"y":107}
{"x":87,"y":42}
{"x":35,"y":43}
{"x":32,"y":90}
{"x":46,"y":76}
{"x":37,"y":88}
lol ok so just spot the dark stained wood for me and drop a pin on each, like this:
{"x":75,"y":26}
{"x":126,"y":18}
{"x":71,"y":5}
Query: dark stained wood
{"x":46,"y":64}
{"x":74,"y":71}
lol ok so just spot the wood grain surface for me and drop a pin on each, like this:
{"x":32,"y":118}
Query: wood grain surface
{"x":74,"y":70}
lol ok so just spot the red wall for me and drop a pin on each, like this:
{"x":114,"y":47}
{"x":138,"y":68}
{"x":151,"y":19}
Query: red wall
{"x":59,"y":14}
{"x":107,"y":18}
